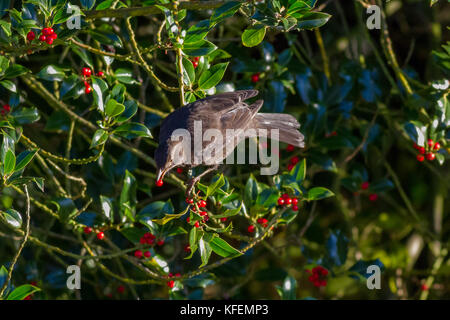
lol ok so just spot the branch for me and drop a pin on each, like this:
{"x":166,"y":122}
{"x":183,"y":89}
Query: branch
{"x":144,"y":11}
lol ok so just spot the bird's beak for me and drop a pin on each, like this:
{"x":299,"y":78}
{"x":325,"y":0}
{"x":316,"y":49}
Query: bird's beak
{"x":161,"y":173}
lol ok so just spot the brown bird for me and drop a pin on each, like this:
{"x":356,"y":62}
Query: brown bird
{"x":221,"y":112}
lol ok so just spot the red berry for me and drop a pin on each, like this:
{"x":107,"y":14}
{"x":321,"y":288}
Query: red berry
{"x":100,"y":235}
{"x":420,"y":158}
{"x":150,"y":240}
{"x":179,"y":170}
{"x":295,"y":207}
{"x":373,"y":197}
{"x":437,"y":146}
{"x":415,"y":146}
{"x":88,"y":89}
{"x":147,"y":254}
{"x":424,"y":287}
{"x":290,"y":148}
{"x":280,"y":201}
{"x":196,"y":224}
{"x":189,"y":201}
{"x":251,"y":228}
{"x":159,"y":183}
{"x":195,"y":64}
{"x":6,"y":107}
{"x":290,"y":166}
{"x":49,"y":40}
{"x":87,"y":230}
{"x":255,"y":77}
{"x":294,"y":201}
{"x":47,"y":31}
{"x":365,"y":185}
{"x":120,"y":289}
{"x":100,"y":74}
{"x":86,"y":72}
{"x":285,"y":196}
{"x":202,"y":203}
{"x":170,"y":284}
{"x":223,"y":219}
{"x":160,"y":242}
{"x":196,"y":59}
{"x":31,"y":36}
{"x":430,"y":142}
{"x":53,"y":36}
{"x":138,"y":254}
{"x":422,"y":150}
{"x":430,"y":156}
{"x":187,"y":248}
{"x":295,"y":160}
{"x":188,"y":219}
{"x":42,"y":38}
{"x":288,"y":201}
{"x":177,"y":275}
{"x":143,"y":240}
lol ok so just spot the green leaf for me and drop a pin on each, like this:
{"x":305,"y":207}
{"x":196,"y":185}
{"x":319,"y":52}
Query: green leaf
{"x":10,"y":162}
{"x":107,"y":208}
{"x":312,"y":20}
{"x":99,"y":138}
{"x":188,"y":72}
{"x":128,"y":194}
{"x":229,"y":212}
{"x":52,"y":73}
{"x":62,"y":15}
{"x":131,"y":108}
{"x":212,"y":77}
{"x":12,"y":217}
{"x":25,"y":115}
{"x":133,"y":234}
{"x":168,"y":217}
{"x":225,"y":11}
{"x":125,"y":76}
{"x":133,"y":130}
{"x":23,"y":159}
{"x":9,"y":85}
{"x":212,"y":188}
{"x":22,"y":292}
{"x":113,"y":108}
{"x":15,"y":71}
{"x":205,"y":251}
{"x":318,"y":193}
{"x":253,"y":36}
{"x":298,"y":173}
{"x":66,"y":208}
{"x":288,"y":290}
{"x":223,"y":249}
{"x":198,"y":48}
{"x":98,"y":88}
{"x":197,"y":32}
{"x":251,"y":190}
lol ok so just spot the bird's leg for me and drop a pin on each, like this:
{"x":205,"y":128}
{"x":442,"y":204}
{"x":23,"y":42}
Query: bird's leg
{"x":193,"y":181}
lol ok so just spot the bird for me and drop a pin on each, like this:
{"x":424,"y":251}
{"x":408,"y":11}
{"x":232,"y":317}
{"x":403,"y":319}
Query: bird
{"x":221,"y":112}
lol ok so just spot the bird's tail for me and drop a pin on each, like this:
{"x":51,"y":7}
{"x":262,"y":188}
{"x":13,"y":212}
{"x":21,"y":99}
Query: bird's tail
{"x":286,"y":124}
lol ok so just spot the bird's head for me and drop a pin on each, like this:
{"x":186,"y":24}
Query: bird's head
{"x":168,"y":155}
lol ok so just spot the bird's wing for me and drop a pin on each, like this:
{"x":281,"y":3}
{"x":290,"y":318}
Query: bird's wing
{"x":222,"y":102}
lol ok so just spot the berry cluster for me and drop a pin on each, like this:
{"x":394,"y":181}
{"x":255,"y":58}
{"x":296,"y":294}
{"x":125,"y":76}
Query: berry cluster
{"x":48,"y":35}
{"x":285,"y":200}
{"x":318,"y":276}
{"x":171,"y":283}
{"x":195,"y":61}
{"x":428,"y":150}
{"x":147,"y":238}
{"x":138,"y":254}
{"x":5,"y":109}
{"x":200,"y":204}
{"x":87,"y":72}
{"x":100,"y":234}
